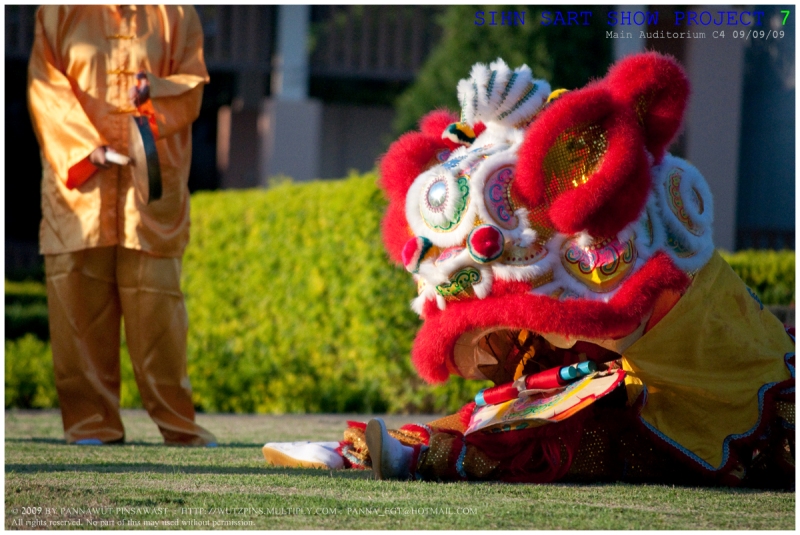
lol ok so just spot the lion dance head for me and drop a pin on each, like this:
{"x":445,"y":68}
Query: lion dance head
{"x":545,"y":216}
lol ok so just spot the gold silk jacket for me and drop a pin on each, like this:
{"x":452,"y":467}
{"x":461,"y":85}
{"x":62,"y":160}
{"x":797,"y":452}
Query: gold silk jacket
{"x":82,"y":66}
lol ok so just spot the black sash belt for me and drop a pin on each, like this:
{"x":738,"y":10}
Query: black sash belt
{"x":153,"y":166}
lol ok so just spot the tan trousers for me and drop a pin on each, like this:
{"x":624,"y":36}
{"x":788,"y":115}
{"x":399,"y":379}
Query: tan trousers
{"x":87,"y":293}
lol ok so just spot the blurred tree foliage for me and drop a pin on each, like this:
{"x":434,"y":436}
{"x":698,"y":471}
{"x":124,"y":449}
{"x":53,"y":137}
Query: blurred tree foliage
{"x":565,"y":56}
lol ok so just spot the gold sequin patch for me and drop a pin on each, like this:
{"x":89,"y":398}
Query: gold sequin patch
{"x":541,"y":223}
{"x":786,"y":411}
{"x":596,"y":456}
{"x":477,"y":464}
{"x":541,"y":280}
{"x":408,"y":438}
{"x":452,"y":422}
{"x":357,"y":438}
{"x":433,"y":463}
{"x":573,"y":158}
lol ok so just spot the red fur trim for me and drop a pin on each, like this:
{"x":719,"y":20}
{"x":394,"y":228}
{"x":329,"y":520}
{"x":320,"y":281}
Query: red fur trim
{"x":414,"y":152}
{"x":615,"y":193}
{"x":465,"y":413}
{"x":511,"y":305}
{"x":396,"y":231}
{"x":434,"y":123}
{"x":661,"y":84}
{"x":407,"y":157}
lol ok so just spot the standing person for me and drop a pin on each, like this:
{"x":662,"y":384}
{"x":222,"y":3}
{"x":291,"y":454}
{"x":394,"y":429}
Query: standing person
{"x":108,"y":252}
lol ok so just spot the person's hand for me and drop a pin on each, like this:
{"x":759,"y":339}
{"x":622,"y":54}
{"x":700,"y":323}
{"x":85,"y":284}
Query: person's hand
{"x":140,"y":92}
{"x":98,"y":158}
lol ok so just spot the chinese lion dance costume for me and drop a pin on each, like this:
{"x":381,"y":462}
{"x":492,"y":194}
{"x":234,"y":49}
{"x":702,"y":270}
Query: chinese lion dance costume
{"x":552,"y":231}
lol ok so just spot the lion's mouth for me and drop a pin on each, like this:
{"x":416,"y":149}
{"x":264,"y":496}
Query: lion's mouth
{"x":500,"y":354}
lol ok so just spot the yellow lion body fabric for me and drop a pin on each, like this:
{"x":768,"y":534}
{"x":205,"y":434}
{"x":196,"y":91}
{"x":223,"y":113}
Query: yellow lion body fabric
{"x":708,"y":364}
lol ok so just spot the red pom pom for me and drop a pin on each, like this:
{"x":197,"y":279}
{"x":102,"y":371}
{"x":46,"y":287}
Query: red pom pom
{"x":485,"y":243}
{"x":414,"y":251}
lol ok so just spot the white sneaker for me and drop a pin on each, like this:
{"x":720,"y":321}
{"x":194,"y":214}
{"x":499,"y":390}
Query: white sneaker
{"x":390,"y":458}
{"x":303,"y":455}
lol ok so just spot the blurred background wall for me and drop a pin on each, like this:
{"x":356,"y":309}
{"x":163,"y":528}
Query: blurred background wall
{"x":312,"y":92}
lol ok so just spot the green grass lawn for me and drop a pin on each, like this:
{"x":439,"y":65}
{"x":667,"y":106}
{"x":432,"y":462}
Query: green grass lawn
{"x":145,"y":485}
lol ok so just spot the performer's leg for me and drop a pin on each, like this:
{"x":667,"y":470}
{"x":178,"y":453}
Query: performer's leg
{"x":156,"y":325}
{"x":419,"y":451}
{"x":84,"y":314}
{"x":450,"y":458}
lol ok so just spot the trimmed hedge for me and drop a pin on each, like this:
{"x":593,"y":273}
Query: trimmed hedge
{"x":26,"y":310}
{"x":294,"y":307}
{"x":30,"y":382}
{"x":770,"y":274}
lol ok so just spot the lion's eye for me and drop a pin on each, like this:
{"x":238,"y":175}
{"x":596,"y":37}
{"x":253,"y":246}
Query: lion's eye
{"x":437,"y":195}
{"x":444,"y":201}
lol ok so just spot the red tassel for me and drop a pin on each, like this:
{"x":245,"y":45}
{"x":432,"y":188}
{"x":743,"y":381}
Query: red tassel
{"x":357,"y":425}
{"x":80,"y":173}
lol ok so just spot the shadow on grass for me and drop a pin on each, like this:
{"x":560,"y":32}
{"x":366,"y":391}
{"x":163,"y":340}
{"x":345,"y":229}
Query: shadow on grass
{"x":160,"y":468}
{"x":54,"y":441}
{"x":351,"y":474}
